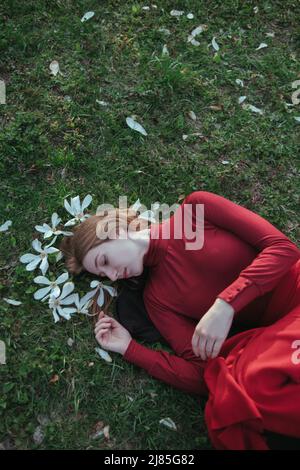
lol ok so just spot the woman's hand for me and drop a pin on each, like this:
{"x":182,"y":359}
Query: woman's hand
{"x":212,"y":330}
{"x":111,"y":335}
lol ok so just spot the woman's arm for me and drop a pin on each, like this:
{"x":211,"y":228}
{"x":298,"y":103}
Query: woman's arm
{"x":185,"y":373}
{"x":276,"y":252}
{"x":182,"y":370}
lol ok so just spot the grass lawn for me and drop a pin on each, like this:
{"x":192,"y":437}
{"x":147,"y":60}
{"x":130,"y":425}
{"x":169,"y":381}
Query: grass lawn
{"x":57,"y":141}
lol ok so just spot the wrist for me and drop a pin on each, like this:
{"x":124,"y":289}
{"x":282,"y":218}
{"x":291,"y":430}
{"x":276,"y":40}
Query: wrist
{"x":125,"y":347}
{"x":224,"y":306}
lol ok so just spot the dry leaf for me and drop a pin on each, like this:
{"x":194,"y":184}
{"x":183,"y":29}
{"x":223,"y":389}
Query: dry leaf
{"x":54,"y":379}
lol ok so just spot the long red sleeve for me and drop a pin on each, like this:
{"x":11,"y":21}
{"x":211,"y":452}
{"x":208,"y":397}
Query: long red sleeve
{"x":276,"y":252}
{"x":184,"y":370}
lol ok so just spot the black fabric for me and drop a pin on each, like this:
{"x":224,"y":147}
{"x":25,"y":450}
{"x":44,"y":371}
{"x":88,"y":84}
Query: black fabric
{"x":131,"y":312}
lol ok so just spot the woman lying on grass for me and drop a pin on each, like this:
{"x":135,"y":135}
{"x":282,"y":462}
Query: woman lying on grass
{"x":245,"y":276}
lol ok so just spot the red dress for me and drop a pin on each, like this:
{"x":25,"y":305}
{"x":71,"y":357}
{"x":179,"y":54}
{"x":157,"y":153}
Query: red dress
{"x":253,"y":266}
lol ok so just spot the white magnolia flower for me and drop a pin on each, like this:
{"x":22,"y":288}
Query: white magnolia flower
{"x":57,"y":303}
{"x":83,"y":304}
{"x":5,"y":226}
{"x":99,"y":286}
{"x":42,"y":258}
{"x":50,"y":231}
{"x":77,"y":210}
{"x":147,"y":215}
{"x":52,"y":286}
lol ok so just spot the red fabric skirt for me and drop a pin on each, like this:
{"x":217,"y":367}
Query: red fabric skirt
{"x":254,"y":384}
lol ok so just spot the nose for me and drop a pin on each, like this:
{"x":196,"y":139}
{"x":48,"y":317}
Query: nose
{"x":112,"y":275}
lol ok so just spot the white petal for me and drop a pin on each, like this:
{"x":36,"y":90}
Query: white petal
{"x":88,"y":15}
{"x":135,"y":126}
{"x":190,"y":16}
{"x":62,"y":278}
{"x":5,"y":226}
{"x":54,"y":67}
{"x":103,"y":354}
{"x":51,"y":250}
{"x":12,"y":301}
{"x":239,"y":82}
{"x":261,"y":46}
{"x":252,"y":108}
{"x":55,"y":316}
{"x":66,"y":234}
{"x":55,"y":219}
{"x":28,"y":257}
{"x":86,"y":297}
{"x":103,"y":103}
{"x":39,"y":294}
{"x":197,"y":30}
{"x":70,"y":222}
{"x":192,"y":115}
{"x":68,"y":207}
{"x":36,"y":244}
{"x":31,"y":266}
{"x":165,"y":50}
{"x":86,"y":202}
{"x":169,"y":423}
{"x":297,"y":118}
{"x":67,"y":289}
{"x":215,"y":44}
{"x":50,"y":244}
{"x":164,"y":30}
{"x":55,"y":291}
{"x":94,"y":283}
{"x":59,"y":256}
{"x":63,"y":314}
{"x":75,"y":203}
{"x":44,"y":265}
{"x":68,"y":310}
{"x":136,"y":205}
{"x":242,"y":99}
{"x":48,"y":234}
{"x":100,"y":299}
{"x":111,"y":290}
{"x":40,"y":228}
{"x":42,"y":280}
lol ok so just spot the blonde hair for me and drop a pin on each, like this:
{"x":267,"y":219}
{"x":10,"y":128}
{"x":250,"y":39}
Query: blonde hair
{"x":94,"y":231}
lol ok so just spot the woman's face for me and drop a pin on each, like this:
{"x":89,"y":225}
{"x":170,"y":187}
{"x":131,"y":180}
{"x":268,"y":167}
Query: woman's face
{"x":112,"y":257}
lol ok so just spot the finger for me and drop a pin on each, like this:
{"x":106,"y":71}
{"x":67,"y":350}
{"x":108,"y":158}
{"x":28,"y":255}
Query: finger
{"x":209,"y":347}
{"x":202,"y":345}
{"x":216,"y":348}
{"x":103,"y":325}
{"x":103,"y":320}
{"x":101,"y":332}
{"x":101,"y":315}
{"x":195,"y":343}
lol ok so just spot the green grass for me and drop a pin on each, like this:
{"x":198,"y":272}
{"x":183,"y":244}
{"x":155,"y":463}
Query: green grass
{"x":52,"y":147}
